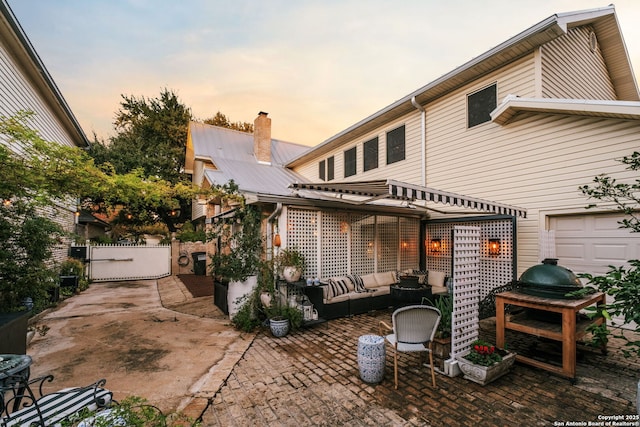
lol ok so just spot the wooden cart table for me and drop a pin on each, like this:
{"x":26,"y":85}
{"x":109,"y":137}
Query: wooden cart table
{"x":567,"y":332}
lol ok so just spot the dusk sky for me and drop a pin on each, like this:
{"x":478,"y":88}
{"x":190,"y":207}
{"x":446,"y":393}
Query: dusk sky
{"x":316,"y":67}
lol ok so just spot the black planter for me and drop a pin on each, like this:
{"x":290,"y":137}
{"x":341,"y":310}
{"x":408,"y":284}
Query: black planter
{"x":13,"y":332}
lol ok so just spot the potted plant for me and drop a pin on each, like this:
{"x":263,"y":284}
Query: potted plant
{"x":484,"y":363}
{"x":291,"y":264}
{"x":283,"y":318}
{"x":442,"y":340}
{"x":238,"y":258}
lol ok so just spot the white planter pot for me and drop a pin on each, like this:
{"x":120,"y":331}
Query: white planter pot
{"x":485,"y":374}
{"x":237,"y":290}
{"x":291,"y":274}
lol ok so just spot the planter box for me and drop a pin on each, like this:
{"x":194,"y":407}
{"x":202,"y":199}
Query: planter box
{"x":485,"y":374}
{"x":13,"y":332}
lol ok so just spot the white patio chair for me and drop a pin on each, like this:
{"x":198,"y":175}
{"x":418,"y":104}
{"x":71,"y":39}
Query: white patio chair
{"x":413,"y":330}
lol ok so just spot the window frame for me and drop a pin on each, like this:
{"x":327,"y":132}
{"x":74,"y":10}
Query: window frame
{"x":351,"y":163}
{"x":478,"y":100}
{"x":392,"y":156}
{"x":366,"y":148}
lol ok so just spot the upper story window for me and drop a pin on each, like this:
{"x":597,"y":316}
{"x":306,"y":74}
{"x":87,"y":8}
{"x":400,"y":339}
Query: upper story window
{"x":395,"y":145}
{"x":350,"y":162}
{"x":370,"y":154}
{"x":321,"y":170}
{"x":330,"y":174}
{"x":480,"y":104}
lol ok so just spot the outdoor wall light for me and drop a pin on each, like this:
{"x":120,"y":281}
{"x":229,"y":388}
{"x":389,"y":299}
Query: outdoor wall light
{"x":436,"y":245}
{"x":494,"y":247}
{"x":277,"y":242}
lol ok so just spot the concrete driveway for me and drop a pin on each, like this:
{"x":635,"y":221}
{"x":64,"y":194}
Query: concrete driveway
{"x":146,"y":338}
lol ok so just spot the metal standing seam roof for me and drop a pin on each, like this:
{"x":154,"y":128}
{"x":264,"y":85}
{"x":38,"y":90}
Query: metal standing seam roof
{"x":231,"y":153}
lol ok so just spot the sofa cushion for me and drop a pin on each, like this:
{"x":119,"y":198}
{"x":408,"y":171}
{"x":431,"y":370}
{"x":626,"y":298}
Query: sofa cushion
{"x":382,"y":290}
{"x":387,"y":278}
{"x":359,"y":295}
{"x":436,"y":278}
{"x":369,"y":281}
{"x":337,"y":299}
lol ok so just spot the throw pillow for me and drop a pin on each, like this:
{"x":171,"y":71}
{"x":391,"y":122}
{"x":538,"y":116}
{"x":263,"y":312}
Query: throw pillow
{"x":337,"y":287}
{"x":358,"y":283}
{"x":436,"y":278}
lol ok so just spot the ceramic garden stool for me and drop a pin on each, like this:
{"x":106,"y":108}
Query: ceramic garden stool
{"x":371,"y":358}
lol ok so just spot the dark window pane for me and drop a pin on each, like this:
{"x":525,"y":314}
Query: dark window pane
{"x":330,"y":168}
{"x":321,"y":169}
{"x":480,"y":105}
{"x":370,"y":154}
{"x":395,"y":145}
{"x":350,"y":162}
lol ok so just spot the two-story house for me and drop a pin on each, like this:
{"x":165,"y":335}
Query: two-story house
{"x":503,"y":142}
{"x":26,"y":85}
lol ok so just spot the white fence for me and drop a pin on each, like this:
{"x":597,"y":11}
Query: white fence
{"x":128,"y":262}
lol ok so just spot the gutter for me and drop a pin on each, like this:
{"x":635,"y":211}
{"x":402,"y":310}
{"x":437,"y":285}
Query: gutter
{"x":274,"y":216}
{"x":423,"y":141}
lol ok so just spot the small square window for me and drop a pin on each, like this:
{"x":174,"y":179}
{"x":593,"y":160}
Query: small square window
{"x":395,"y":145}
{"x":370,"y":154}
{"x":321,"y":170}
{"x":480,"y":104}
{"x":350,"y":162}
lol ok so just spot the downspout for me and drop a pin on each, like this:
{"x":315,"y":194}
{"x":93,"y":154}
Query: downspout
{"x":270,"y":219}
{"x":423,"y":140}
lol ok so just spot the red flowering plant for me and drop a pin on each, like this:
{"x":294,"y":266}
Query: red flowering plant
{"x":484,"y":354}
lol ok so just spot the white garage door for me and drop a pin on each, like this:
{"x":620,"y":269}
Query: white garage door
{"x":590,"y":243}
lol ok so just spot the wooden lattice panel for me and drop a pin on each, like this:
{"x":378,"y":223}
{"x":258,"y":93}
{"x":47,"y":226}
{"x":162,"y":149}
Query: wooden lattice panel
{"x":363,"y":236}
{"x":495,"y":270}
{"x":334,"y":244}
{"x":302,"y":235}
{"x":409,"y":241}
{"x":387,"y":230}
{"x":466,"y":287}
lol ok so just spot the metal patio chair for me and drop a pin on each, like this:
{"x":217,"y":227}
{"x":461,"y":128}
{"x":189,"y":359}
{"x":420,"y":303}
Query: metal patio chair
{"x":413,"y":328}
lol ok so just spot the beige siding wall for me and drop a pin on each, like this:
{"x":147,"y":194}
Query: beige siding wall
{"x":407,"y":170}
{"x":539,"y":163}
{"x":571,"y":69}
{"x":198,"y":210}
{"x":17,"y":93}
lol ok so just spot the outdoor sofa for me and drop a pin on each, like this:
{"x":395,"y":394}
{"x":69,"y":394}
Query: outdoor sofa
{"x":354,"y":294}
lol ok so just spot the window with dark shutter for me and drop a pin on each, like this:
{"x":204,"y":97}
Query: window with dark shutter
{"x":395,"y":145}
{"x":330,"y":162}
{"x":350,"y":162}
{"x":321,"y":169}
{"x":480,"y":104}
{"x":370,"y":154}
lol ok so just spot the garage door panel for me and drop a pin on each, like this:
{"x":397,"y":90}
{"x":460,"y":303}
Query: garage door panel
{"x":569,"y":224}
{"x":616,"y":254}
{"x":570,"y":251}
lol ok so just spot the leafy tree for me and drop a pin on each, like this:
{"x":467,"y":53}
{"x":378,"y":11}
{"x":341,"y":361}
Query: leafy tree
{"x":221,"y":120}
{"x":35,"y":177}
{"x":623,"y":284}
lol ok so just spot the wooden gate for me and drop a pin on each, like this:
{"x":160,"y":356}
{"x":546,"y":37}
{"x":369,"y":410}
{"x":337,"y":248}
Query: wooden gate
{"x":128,"y":262}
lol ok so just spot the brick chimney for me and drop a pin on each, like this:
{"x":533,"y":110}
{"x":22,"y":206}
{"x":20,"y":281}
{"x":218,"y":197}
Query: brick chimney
{"x":262,"y":138}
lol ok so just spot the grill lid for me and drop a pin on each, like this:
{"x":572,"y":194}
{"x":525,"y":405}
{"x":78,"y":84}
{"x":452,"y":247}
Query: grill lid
{"x":549,"y":280}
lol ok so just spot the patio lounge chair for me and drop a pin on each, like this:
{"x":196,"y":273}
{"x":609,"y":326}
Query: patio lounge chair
{"x":413,"y":330}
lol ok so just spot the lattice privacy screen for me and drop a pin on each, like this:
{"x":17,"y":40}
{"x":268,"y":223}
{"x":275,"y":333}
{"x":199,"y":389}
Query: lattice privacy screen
{"x":466,"y":288}
{"x":495,"y":270}
{"x":338,"y":243}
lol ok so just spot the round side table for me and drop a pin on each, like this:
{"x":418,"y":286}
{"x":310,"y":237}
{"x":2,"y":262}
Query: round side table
{"x":371,"y":358}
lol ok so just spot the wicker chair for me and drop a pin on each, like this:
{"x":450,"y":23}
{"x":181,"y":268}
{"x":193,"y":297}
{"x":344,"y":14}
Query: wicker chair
{"x":413,"y":330}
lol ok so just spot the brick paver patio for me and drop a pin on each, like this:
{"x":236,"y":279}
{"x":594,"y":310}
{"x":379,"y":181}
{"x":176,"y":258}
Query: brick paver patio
{"x":311,"y":378}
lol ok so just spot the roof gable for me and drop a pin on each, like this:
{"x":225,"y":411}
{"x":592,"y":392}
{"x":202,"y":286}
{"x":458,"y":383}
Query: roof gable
{"x":609,"y":35}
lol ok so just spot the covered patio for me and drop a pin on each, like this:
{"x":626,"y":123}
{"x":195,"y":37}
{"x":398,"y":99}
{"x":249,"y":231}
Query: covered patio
{"x":311,"y":378}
